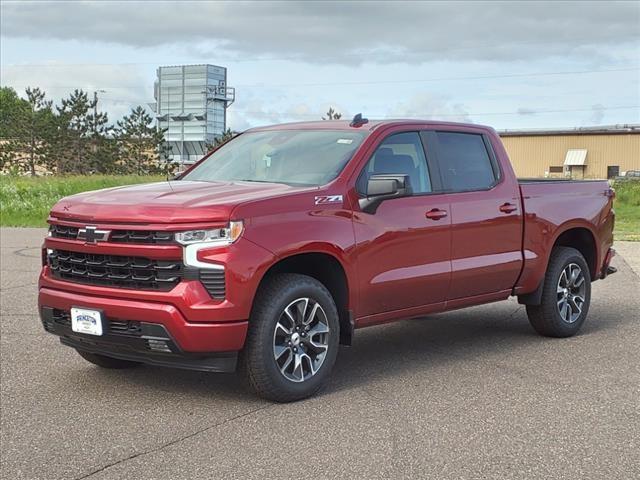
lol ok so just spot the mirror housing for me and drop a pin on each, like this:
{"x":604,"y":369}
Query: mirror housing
{"x":384,"y":187}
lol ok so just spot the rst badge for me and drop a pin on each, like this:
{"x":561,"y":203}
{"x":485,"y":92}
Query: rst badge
{"x":324,"y":199}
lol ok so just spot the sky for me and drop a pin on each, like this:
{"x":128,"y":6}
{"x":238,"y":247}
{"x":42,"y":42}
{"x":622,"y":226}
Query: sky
{"x":512,"y":65}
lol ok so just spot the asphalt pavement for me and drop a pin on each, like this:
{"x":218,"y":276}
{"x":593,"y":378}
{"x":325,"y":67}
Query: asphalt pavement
{"x":468,"y":394}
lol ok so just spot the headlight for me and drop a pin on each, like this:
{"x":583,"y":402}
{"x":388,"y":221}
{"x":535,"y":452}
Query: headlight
{"x":219,"y":236}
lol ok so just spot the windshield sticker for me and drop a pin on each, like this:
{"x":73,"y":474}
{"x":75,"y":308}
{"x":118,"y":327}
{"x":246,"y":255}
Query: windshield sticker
{"x":346,"y":141}
{"x":324,"y":199}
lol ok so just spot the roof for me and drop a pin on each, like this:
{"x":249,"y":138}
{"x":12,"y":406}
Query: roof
{"x":622,"y":129}
{"x":370,"y":125}
{"x":576,"y":157}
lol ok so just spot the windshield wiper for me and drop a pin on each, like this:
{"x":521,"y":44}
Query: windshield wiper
{"x":257,"y":181}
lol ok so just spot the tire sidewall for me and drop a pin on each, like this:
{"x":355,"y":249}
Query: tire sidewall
{"x":568,"y":256}
{"x":266,"y":323}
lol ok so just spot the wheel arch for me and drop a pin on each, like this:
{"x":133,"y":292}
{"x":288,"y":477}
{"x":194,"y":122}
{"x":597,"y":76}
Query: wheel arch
{"x":583,"y":239}
{"x":328,"y":270}
{"x":576,"y":235}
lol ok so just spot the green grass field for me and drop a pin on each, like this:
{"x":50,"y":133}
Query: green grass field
{"x":627,"y":206}
{"x":25,"y":201}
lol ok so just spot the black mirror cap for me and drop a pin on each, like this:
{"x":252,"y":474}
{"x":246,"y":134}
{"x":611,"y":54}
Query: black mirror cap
{"x":385,"y":184}
{"x":384,"y":187}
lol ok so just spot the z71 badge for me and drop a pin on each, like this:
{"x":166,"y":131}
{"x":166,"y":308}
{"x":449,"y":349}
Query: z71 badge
{"x":324,"y":199}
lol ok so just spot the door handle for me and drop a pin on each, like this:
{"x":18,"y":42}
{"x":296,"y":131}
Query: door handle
{"x":436,"y":214}
{"x":508,"y":208}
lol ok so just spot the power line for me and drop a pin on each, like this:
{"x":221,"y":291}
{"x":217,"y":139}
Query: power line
{"x":461,"y":114}
{"x":375,"y":82}
{"x":441,"y":79}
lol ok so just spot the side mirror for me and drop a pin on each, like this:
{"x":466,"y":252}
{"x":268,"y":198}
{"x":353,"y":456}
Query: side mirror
{"x":177,"y":175}
{"x":384,"y":187}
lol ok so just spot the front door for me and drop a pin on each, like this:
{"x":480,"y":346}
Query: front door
{"x":403,"y":249}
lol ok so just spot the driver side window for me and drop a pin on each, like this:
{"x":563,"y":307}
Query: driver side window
{"x":400,"y":153}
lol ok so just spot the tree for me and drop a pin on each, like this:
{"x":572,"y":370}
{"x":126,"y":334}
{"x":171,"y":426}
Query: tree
{"x":227,"y":135}
{"x":332,"y":115}
{"x":29,"y":125}
{"x":83,"y":143}
{"x":11,"y":108}
{"x":141,"y":145}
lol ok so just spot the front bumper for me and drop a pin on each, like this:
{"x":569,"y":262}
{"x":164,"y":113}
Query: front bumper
{"x":194,"y":337}
{"x":142,"y":342}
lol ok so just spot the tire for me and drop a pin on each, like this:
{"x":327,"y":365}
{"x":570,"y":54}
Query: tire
{"x":561,"y":312}
{"x":107,"y":362}
{"x":268,"y":359}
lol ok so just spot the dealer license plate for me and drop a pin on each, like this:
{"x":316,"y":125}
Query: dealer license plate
{"x":86,"y":321}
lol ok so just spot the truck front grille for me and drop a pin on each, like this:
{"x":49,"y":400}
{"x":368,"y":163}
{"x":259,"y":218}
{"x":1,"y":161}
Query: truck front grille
{"x":118,"y":236}
{"x":114,"y":270}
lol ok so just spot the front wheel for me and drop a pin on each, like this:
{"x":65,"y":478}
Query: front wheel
{"x":292,"y":342}
{"x":566,"y":295}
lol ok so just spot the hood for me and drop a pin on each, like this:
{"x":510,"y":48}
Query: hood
{"x":166,"y":202}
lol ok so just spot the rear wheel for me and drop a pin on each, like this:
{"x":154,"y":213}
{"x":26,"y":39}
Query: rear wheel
{"x":292,"y":340}
{"x":107,"y":362}
{"x":566,"y":295}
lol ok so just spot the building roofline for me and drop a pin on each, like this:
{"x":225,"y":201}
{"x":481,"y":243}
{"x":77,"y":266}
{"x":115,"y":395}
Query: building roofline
{"x":620,"y":129}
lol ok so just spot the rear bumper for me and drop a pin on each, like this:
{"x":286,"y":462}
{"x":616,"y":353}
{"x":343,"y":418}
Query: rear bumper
{"x":188,"y":337}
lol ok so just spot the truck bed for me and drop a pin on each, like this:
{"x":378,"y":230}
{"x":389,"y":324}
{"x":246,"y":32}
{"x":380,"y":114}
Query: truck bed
{"x":555,"y":180}
{"x":552,"y":205}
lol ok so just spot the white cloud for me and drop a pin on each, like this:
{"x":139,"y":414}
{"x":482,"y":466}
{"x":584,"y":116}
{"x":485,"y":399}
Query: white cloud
{"x":597,"y":115}
{"x":124,"y":86}
{"x":428,"y":106}
{"x":340,"y":32}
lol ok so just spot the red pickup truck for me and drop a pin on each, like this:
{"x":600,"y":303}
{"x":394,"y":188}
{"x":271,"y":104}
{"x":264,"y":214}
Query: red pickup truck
{"x":275,"y":248}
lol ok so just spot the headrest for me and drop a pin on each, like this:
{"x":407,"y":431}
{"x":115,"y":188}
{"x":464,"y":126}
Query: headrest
{"x":387,"y":162}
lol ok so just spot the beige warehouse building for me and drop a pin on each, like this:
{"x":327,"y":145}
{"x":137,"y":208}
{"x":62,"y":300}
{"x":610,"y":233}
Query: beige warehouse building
{"x":599,"y":152}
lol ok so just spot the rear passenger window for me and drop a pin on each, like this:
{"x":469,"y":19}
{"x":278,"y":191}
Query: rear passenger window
{"x":464,"y":162}
{"x":400,"y":153}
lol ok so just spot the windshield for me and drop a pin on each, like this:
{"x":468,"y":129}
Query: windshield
{"x":298,"y":157}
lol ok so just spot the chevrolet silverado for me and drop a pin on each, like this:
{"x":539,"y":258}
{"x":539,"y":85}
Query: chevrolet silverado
{"x":275,"y":248}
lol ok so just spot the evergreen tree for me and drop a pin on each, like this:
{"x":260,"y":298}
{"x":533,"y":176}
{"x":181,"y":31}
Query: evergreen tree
{"x":227,"y":135}
{"x":11,"y":108}
{"x":29,"y":125}
{"x":332,"y":115}
{"x":83,"y":142}
{"x":141,"y":145}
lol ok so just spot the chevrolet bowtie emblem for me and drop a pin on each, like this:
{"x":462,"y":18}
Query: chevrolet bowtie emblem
{"x":93,"y":235}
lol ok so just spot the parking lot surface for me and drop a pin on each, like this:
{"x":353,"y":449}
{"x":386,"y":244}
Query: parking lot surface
{"x":468,"y":394}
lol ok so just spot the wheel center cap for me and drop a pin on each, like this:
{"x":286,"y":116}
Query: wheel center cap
{"x":295,"y":339}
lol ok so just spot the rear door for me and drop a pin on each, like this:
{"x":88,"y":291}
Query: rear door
{"x":486,"y":221}
{"x":403,"y":248}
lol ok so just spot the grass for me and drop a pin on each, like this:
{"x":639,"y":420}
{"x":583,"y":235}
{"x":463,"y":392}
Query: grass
{"x":627,"y":206}
{"x":26,"y":201}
